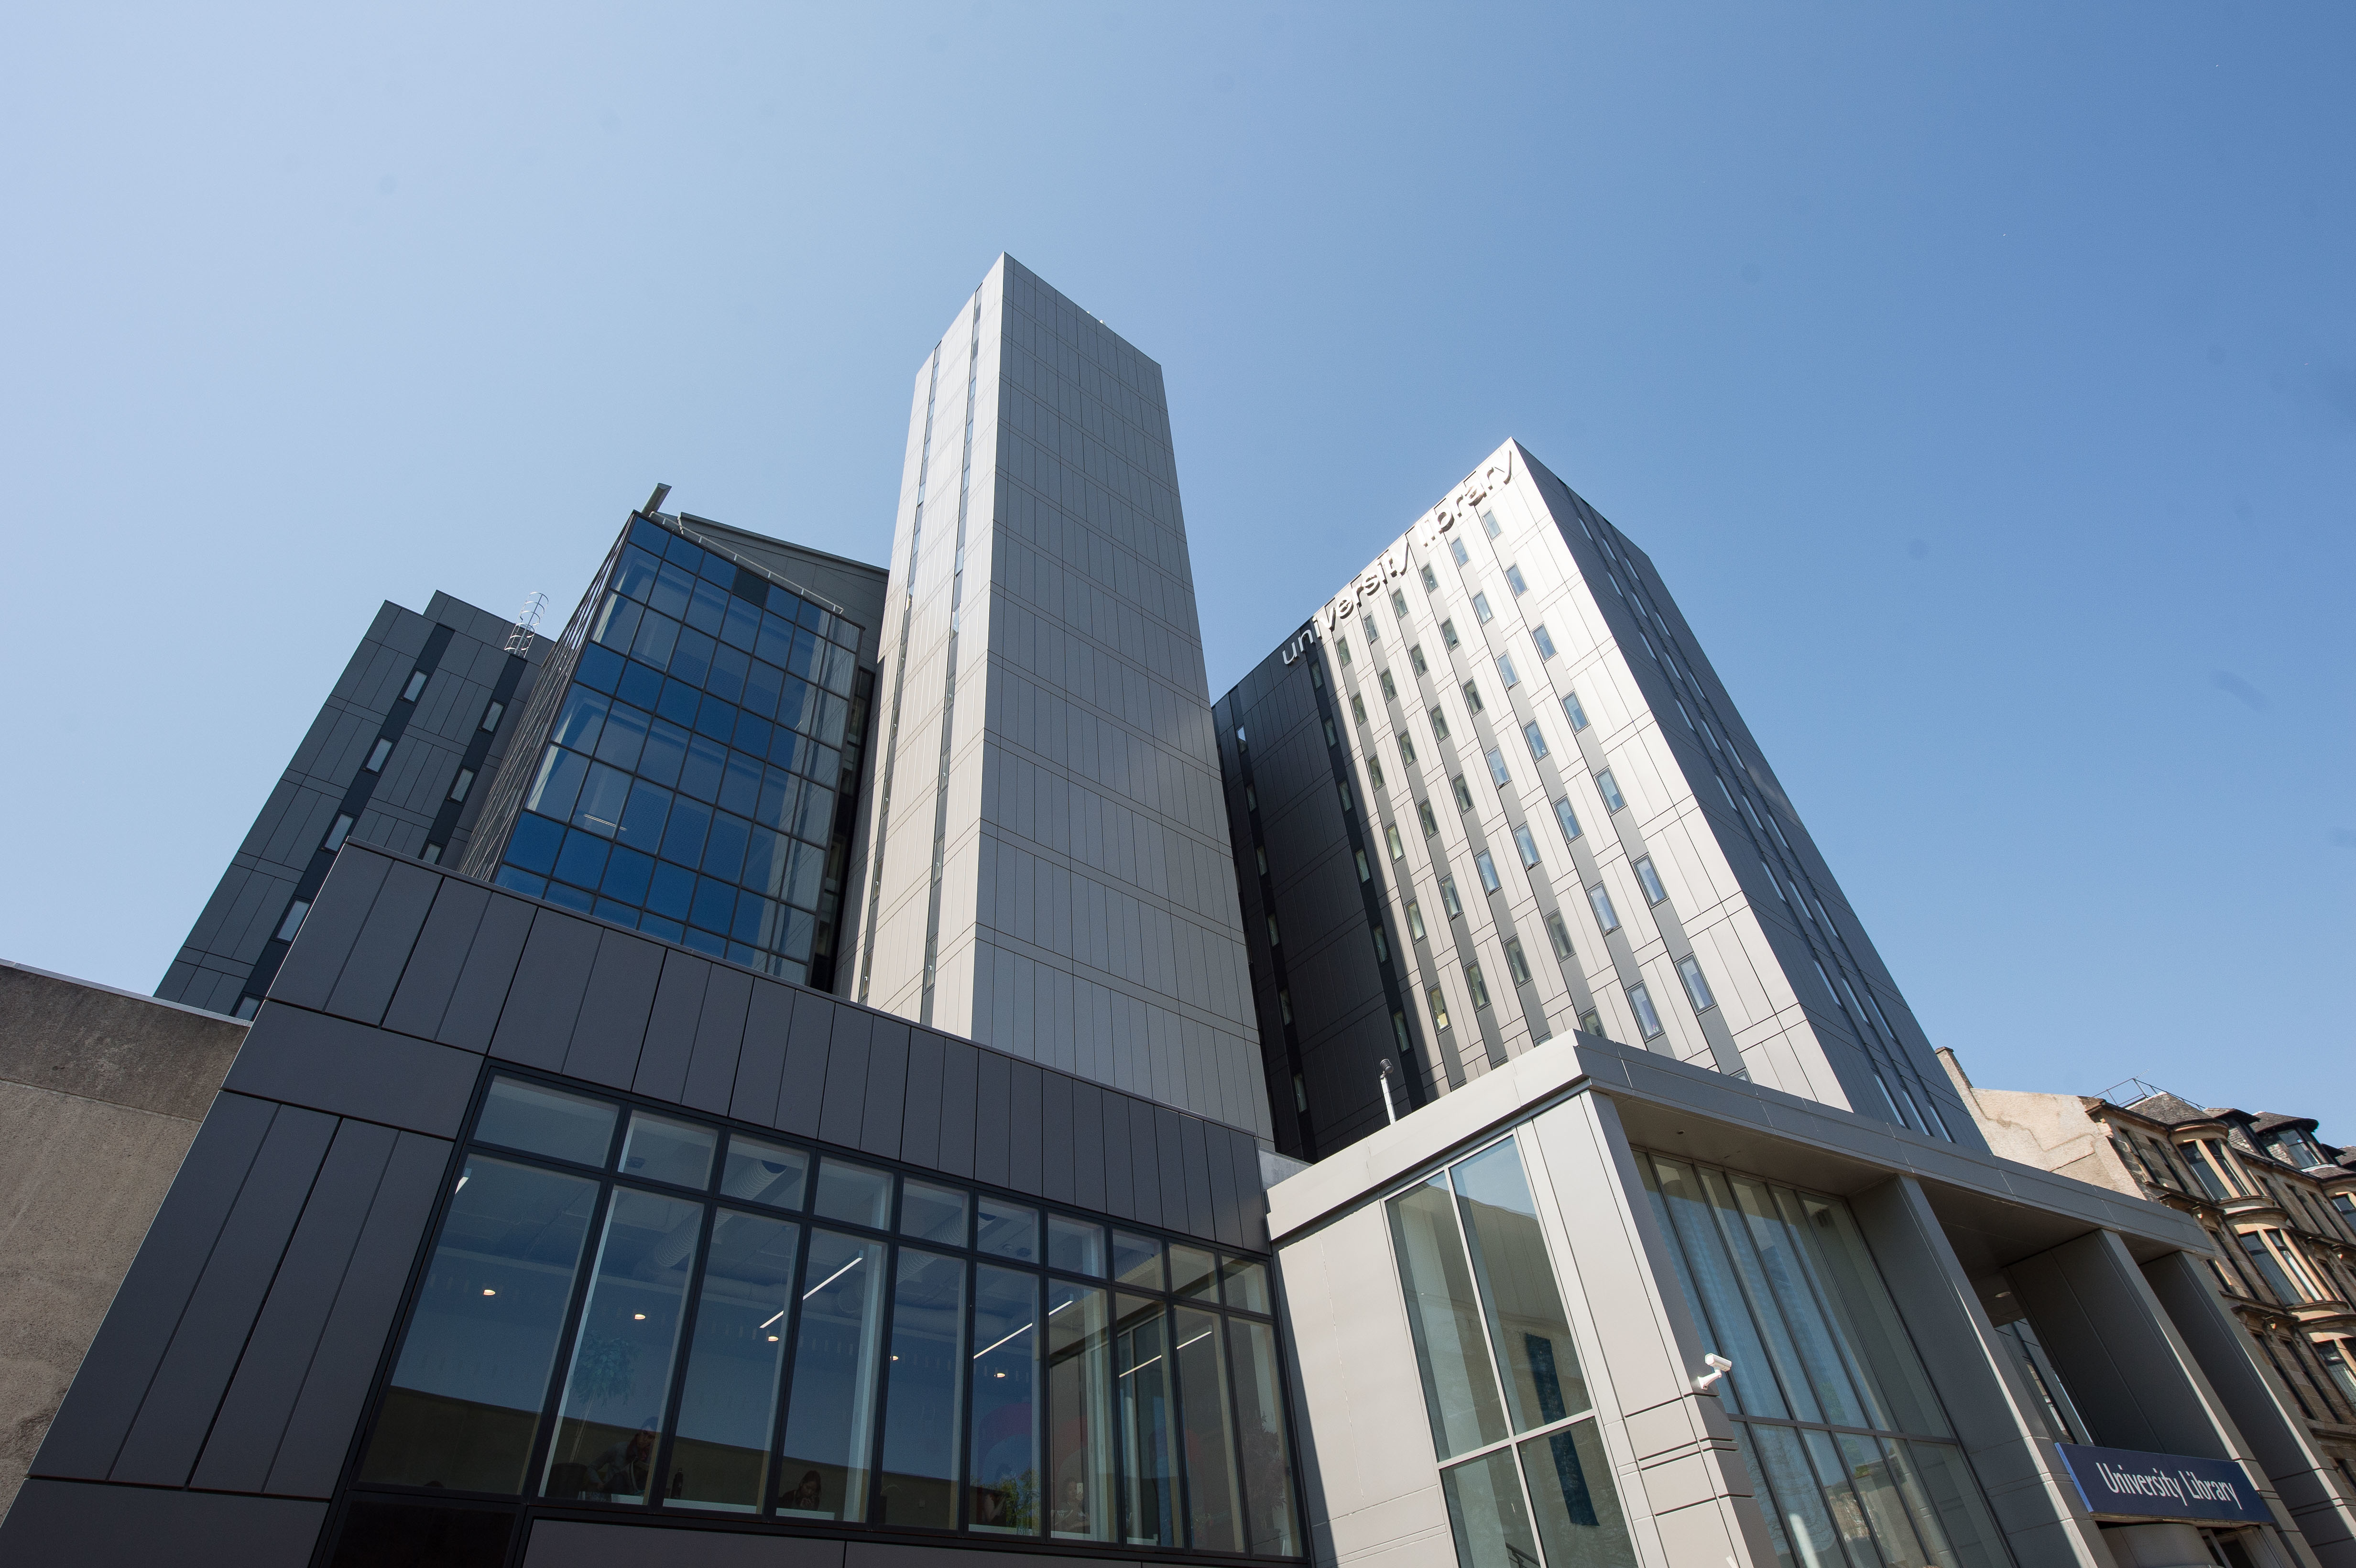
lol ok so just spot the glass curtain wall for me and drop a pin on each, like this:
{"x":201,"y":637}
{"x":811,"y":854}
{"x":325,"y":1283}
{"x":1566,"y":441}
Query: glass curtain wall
{"x":1523,"y":1471}
{"x":1853,"y":1461}
{"x":628,"y":1306}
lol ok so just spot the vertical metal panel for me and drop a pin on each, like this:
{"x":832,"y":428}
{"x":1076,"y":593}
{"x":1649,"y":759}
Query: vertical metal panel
{"x":1251,"y":1192}
{"x":670,"y":1026}
{"x":1024,"y":1133}
{"x":204,"y":1345}
{"x":337,"y":913}
{"x":88,"y":1429}
{"x":993,"y":1088}
{"x":720,"y":1039}
{"x":481,"y":994}
{"x":846,"y":1077}
{"x":920,"y":1115}
{"x":1226,"y":1213}
{"x":550,"y":981}
{"x":961,"y":1069}
{"x":1087,"y":1145}
{"x":1144,"y":1163}
{"x":1195,"y":1151}
{"x":612,"y":1027}
{"x":94,"y":1526}
{"x":1177,"y":1205}
{"x":381,"y":950}
{"x":800,"y":1090}
{"x":1055,"y":1137}
{"x":887,"y":1088}
{"x":434,"y":963}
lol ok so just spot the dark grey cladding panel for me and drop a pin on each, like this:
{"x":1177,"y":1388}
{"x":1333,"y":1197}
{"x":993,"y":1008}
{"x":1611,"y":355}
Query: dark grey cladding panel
{"x":771,"y":1021}
{"x":671,"y":1026}
{"x":536,"y":1024}
{"x":844,"y":1106}
{"x":1087,"y":1145}
{"x":907,"y":1554}
{"x":993,"y":1086}
{"x":1251,"y":1192}
{"x":203,"y":1346}
{"x":572,"y":1543}
{"x":797,"y":1084}
{"x":1194,"y":1149}
{"x":309,"y":971}
{"x":481,"y":995}
{"x":1024,"y":1134}
{"x":382,"y":951}
{"x":614,"y":1011}
{"x":1055,"y":1137}
{"x":720,"y":1034}
{"x":961,"y":1073}
{"x":887,"y":1088}
{"x":1145,"y":1164}
{"x":334,"y":1387}
{"x":438,"y":958}
{"x":333,"y":1064}
{"x":88,"y":1432}
{"x":1226,"y":1212}
{"x":920,"y":1114}
{"x":94,"y":1526}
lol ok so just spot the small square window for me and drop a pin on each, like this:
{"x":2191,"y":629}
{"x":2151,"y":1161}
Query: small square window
{"x":1488,"y":869}
{"x":1535,"y":739}
{"x":1438,"y":1005}
{"x":1365,"y":871}
{"x":1544,"y":640}
{"x":1430,"y":823}
{"x":1447,"y":900}
{"x":1481,"y":611}
{"x":1567,"y":819}
{"x":1696,"y":988}
{"x":1498,"y":773}
{"x":1464,"y":795}
{"x":1472,"y":698}
{"x":1610,"y":790}
{"x":1558,"y":934}
{"x":1374,"y":771}
{"x":1513,"y":580}
{"x":462,"y":783}
{"x":1430,"y":583}
{"x":1342,"y":647}
{"x":1601,"y":902}
{"x":1592,"y":1022}
{"x":337,"y":834}
{"x":1648,"y":1018}
{"x":1654,"y":891}
{"x":1516,"y":964}
{"x":417,"y":678}
{"x":1447,"y":633}
{"x":1415,"y":920}
{"x":378,"y":753}
{"x":1527,"y":845}
{"x":1439,"y":724}
{"x":1357,"y":708}
{"x":1506,"y":672}
{"x":1477,"y":986}
{"x":1574,"y":712}
{"x":246,"y":1007}
{"x":491,"y":716}
{"x":1457,"y":552}
{"x":1415,"y":656}
{"x":1390,"y":688}
{"x":1397,"y":845}
{"x":293,"y":921}
{"x":1489,"y":525}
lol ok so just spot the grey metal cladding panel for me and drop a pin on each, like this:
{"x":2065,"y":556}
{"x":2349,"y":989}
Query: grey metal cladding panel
{"x":1145,"y":1164}
{"x":1177,"y":1204}
{"x":536,"y":1024}
{"x":1194,"y":1147}
{"x":382,"y":951}
{"x":920,"y":1112}
{"x":1251,"y":1193}
{"x":244,"y":1437}
{"x":843,"y":1110}
{"x":335,"y":1390}
{"x":576,"y":1543}
{"x":772,"y":1019}
{"x":204,"y":1345}
{"x":798,"y":1090}
{"x":1024,"y":1130}
{"x":1055,"y":1137}
{"x":94,"y":1526}
{"x":670,"y":1026}
{"x":961,"y":1073}
{"x":88,"y":1429}
{"x":480,"y":996}
{"x":1226,"y":1213}
{"x":309,"y":971}
{"x":723,"y":1028}
{"x":887,"y":1088}
{"x":612,"y":1027}
{"x":1088,"y":1145}
{"x":993,"y":1085}
{"x":438,"y":958}
{"x":350,"y":1070}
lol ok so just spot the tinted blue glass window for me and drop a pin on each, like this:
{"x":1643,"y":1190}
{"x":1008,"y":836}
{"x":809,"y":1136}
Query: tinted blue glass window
{"x":558,"y":783}
{"x":707,"y":607}
{"x":834,"y":712}
{"x":743,"y":625}
{"x":683,"y":840}
{"x":625,"y":736}
{"x":523,"y":881}
{"x":761,"y":686}
{"x":815,"y":618}
{"x":715,"y":904}
{"x":783,"y":745}
{"x":838,"y":669}
{"x":755,"y":920}
{"x":656,"y":925}
{"x":671,"y":587}
{"x":614,"y":910}
{"x":815,"y":816}
{"x":704,"y":942}
{"x":643,"y":818}
{"x":728,"y":669}
{"x":582,"y":861}
{"x":692,"y":660}
{"x":658,"y":634}
{"x":723,"y":847}
{"x":666,"y":750}
{"x":805,"y":653}
{"x":803,"y":875}
{"x":718,"y":569}
{"x":779,"y":792}
{"x":765,"y":861}
{"x":646,"y":536}
{"x":534,"y":843}
{"x":752,"y":734}
{"x":640,"y":686}
{"x":775,"y":641}
{"x":626,"y":876}
{"x":679,"y":702}
{"x":579,"y":721}
{"x":600,"y":806}
{"x":669,"y":892}
{"x":617,"y":624}
{"x":740,"y":787}
{"x":783,"y":602}
{"x":634,"y":573}
{"x":716,"y":717}
{"x":706,"y":760}
{"x":797,"y":706}
{"x":570,"y":897}
{"x":685,"y":551}
{"x":599,"y":667}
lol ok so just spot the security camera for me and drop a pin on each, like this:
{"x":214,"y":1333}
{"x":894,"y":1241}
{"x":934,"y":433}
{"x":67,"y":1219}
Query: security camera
{"x":1720,"y":1366}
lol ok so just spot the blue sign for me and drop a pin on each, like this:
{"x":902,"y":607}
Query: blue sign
{"x":2119,"y":1483}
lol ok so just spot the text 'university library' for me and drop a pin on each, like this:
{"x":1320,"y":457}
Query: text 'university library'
{"x":878,"y":1066}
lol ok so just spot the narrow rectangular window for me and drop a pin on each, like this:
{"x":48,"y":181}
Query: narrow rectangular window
{"x":1284,"y":1005}
{"x":1477,"y":986}
{"x":1447,"y":900}
{"x":1457,"y":552}
{"x":1558,"y":934}
{"x":1439,"y":724}
{"x":1481,"y":611}
{"x":1447,"y":633}
{"x":1574,"y":712}
{"x":416,"y":684}
{"x":1316,"y":678}
{"x":1390,"y":688}
{"x":1430,"y":583}
{"x":1242,"y":741}
{"x":1648,"y":1020}
{"x":337,"y":834}
{"x":1438,"y":1005}
{"x":1259,"y":852}
{"x":1696,"y":988}
{"x":1527,"y":845}
{"x":1342,"y":647}
{"x":462,"y":783}
{"x":293,"y":921}
{"x":1601,"y":902}
{"x":1373,"y":628}
{"x":1544,"y":640}
{"x":1592,"y":1022}
{"x":1610,"y":790}
{"x":1430,"y":823}
{"x":1506,"y":672}
{"x":1654,"y":891}
{"x":1382,"y":947}
{"x":1343,"y":791}
{"x":1464,"y":795}
{"x":1488,"y":869}
{"x":491,"y":716}
{"x":1251,"y":798}
{"x":378,"y":753}
{"x":1273,"y":939}
{"x":1374,"y":771}
{"x":1398,"y":606}
{"x":1472,"y":698}
{"x":1567,"y":819}
{"x":1415,"y":920}
{"x":1398,"y":849}
{"x":1489,"y":525}
{"x":1535,"y":739}
{"x":1365,"y":871}
{"x":1415,"y":656}
{"x":1407,"y":748}
{"x":1332,"y":738}
{"x":1514,"y":581}
{"x":1357,"y":708}
{"x":431,"y":854}
{"x":1516,"y":964}
{"x":1497,"y":772}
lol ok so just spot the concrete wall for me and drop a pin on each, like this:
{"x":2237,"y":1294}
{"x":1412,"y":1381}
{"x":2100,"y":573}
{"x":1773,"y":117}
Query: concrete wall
{"x":101,"y":1091}
{"x":2051,"y":1132}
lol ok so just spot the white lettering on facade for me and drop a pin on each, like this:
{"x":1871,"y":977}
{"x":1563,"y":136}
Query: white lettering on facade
{"x":1462,"y":502}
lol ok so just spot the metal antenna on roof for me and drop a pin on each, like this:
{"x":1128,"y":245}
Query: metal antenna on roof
{"x":527,"y":625}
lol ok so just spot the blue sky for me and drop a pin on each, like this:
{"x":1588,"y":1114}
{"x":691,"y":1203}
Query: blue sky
{"x":1982,"y":379}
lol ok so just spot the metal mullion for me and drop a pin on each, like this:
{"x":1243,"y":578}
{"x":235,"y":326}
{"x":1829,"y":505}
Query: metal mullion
{"x":553,"y":1402}
{"x":1183,"y":1519}
{"x":1235,"y":1425}
{"x":692,"y":1309}
{"x":890,"y":1286}
{"x":788,"y":1336}
{"x":1479,"y":1296}
{"x":963,"y":1466}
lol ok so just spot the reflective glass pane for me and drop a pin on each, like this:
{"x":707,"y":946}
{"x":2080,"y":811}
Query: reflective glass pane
{"x":661,"y":1149}
{"x":1872,"y":1332}
{"x":1578,"y":1511}
{"x":1527,"y":1325}
{"x":932,"y":1213}
{"x":1005,"y":1363}
{"x":761,"y":1172}
{"x":1191,"y":1273}
{"x":1247,"y":1285}
{"x":467,"y":1394}
{"x":1075,"y":1246}
{"x":854,"y":1192}
{"x":1137,"y":1259}
{"x":822,"y":1469}
{"x":1149,"y":1488}
{"x":1444,"y":1313}
{"x":546,"y":1121}
{"x":1485,"y":1512}
{"x":1271,"y":1524}
{"x":1009,"y":1230}
{"x":1080,"y":1487}
{"x":918,"y":1481}
{"x":1714,"y":1285}
{"x":619,"y":1379}
{"x":730,"y":1388}
{"x":1213,"y":1519}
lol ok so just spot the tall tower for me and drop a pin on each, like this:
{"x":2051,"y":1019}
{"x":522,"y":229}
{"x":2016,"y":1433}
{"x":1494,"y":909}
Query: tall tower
{"x":1048,"y":864}
{"x":1491,"y":792}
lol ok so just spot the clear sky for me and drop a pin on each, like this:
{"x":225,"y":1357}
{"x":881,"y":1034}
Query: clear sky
{"x":1982,"y":379}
